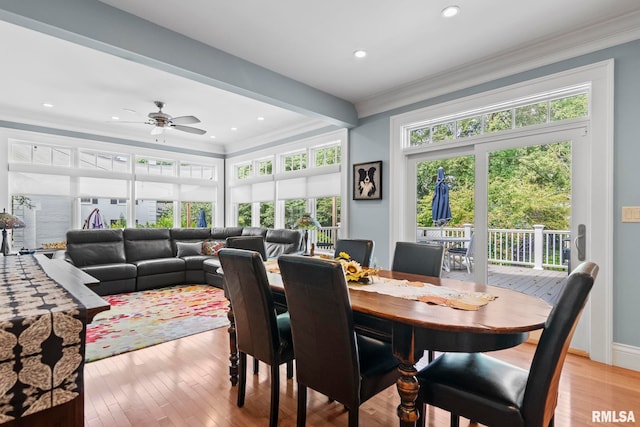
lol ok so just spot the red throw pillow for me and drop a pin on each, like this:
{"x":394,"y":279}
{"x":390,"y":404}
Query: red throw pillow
{"x":212,"y":247}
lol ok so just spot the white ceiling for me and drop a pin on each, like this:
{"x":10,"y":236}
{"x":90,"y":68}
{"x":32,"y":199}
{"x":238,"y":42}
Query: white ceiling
{"x":408,"y":42}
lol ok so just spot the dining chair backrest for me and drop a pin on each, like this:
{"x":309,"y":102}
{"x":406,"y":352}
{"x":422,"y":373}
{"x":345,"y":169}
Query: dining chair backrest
{"x":250,"y":243}
{"x":544,"y":373}
{"x":418,"y":258}
{"x":250,"y":296}
{"x":322,"y":326}
{"x":360,"y":250}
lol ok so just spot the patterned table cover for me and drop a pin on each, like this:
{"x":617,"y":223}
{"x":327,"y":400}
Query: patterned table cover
{"x":42,"y":340}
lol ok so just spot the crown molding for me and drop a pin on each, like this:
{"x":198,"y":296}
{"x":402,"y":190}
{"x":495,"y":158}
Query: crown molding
{"x":255,"y":143}
{"x":540,"y":53}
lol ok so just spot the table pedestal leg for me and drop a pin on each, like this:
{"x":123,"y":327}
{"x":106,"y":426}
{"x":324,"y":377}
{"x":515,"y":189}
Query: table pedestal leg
{"x":408,"y":387}
{"x":404,"y":349}
{"x":233,"y":348}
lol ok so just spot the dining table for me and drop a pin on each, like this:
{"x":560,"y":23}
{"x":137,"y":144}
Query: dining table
{"x":413,"y":326}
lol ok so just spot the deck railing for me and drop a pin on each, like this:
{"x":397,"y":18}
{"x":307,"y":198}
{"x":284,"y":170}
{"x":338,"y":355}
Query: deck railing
{"x":537,"y":248}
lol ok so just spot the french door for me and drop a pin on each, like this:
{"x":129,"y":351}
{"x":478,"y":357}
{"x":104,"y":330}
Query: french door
{"x":490,"y":202}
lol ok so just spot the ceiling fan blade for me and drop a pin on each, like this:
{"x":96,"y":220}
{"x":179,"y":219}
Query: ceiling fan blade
{"x":189,"y":129}
{"x":185,"y":120}
{"x":157,"y":130}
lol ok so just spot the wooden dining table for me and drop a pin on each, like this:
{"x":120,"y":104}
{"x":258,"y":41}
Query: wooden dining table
{"x":414,"y":326}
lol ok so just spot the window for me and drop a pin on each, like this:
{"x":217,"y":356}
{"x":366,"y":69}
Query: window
{"x":264,"y":167}
{"x":295,"y":161}
{"x":243,"y":171}
{"x":244,"y":214}
{"x":41,"y":154}
{"x":293,"y":210}
{"x":113,"y":212}
{"x":103,"y":161}
{"x":154,"y":214}
{"x":548,"y":108}
{"x":326,"y":156}
{"x":149,"y":166}
{"x":197,"y":171}
{"x":267,"y":214}
{"x":190,"y":214}
{"x":46,"y":218}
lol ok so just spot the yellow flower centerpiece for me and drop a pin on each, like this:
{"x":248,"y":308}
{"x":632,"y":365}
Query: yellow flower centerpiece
{"x":353,"y":271}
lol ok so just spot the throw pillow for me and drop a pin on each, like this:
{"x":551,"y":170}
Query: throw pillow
{"x":188,"y":248}
{"x":212,"y":247}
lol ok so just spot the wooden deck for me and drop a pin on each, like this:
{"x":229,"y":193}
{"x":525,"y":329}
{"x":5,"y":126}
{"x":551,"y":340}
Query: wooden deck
{"x":545,"y":284}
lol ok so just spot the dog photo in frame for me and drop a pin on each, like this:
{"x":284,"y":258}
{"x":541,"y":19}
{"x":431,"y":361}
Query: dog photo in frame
{"x":367,"y":181}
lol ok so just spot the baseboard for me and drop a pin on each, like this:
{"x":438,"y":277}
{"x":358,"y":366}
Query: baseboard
{"x":626,"y":356}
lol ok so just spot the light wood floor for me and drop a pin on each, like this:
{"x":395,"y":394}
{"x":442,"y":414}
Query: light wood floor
{"x":185,"y":383}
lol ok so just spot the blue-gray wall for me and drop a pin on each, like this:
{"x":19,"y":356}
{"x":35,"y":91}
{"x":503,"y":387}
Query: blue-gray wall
{"x":370,"y":141}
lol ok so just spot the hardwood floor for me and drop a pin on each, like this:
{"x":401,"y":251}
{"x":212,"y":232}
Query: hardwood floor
{"x":185,"y":383}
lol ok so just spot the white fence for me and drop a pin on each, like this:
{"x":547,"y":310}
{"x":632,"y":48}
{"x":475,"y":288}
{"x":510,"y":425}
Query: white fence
{"x":537,"y":248}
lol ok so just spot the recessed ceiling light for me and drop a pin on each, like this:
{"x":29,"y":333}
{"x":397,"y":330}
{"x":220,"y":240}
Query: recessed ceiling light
{"x":450,"y":11}
{"x":115,"y":118}
{"x":212,"y":137}
{"x":260,"y":118}
{"x":48,"y":105}
{"x":129,"y":110}
{"x":360,"y":53}
{"x":234,"y":129}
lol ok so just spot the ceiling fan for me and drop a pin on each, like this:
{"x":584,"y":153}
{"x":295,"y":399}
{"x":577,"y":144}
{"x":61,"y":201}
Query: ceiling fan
{"x":161,"y":120}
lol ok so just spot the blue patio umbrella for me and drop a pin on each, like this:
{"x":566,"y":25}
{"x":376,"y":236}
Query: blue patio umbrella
{"x":440,"y":208}
{"x":202,"y":219}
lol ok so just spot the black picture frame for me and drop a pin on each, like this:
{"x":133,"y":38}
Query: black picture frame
{"x":367,"y":181}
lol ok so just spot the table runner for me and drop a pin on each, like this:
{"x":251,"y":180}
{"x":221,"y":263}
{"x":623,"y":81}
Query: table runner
{"x":412,"y":290}
{"x":426,"y":292}
{"x":42,"y":340}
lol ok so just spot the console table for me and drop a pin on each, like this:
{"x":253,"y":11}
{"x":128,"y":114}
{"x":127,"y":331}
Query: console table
{"x":45,"y":305}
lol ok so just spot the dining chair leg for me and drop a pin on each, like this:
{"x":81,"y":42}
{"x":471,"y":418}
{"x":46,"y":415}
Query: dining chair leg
{"x":353,"y":416}
{"x":290,"y":369}
{"x":455,"y":420}
{"x":242,"y":377}
{"x":302,"y":405}
{"x":256,"y":366}
{"x":275,"y":394}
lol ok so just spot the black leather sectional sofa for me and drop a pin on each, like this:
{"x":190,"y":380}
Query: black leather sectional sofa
{"x":136,"y":259}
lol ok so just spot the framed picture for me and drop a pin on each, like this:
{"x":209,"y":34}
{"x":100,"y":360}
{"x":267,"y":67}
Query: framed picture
{"x":367,"y":181}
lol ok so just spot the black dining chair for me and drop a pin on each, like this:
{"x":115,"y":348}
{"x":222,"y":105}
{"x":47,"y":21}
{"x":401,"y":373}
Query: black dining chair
{"x":495,"y":393}
{"x":331,"y":357}
{"x":418,"y":258}
{"x":250,"y":243}
{"x":260,"y":332}
{"x":360,"y":250}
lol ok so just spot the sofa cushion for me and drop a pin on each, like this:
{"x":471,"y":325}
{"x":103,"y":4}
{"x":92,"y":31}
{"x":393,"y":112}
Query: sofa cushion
{"x":184,"y":249}
{"x":221,"y":233}
{"x":282,"y":241}
{"x":109,"y":272}
{"x":147,"y":243}
{"x":90,"y":247}
{"x":194,"y":262}
{"x":148,"y":267}
{"x":254,"y":231}
{"x":211,"y":265}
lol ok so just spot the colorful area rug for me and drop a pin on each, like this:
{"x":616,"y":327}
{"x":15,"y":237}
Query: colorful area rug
{"x":141,"y":319}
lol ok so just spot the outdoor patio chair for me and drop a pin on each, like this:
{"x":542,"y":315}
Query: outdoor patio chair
{"x":462,"y":254}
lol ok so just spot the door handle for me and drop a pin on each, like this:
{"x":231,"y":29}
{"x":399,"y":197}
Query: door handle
{"x":581,"y":241}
